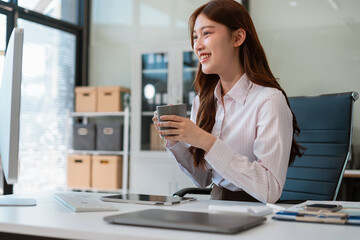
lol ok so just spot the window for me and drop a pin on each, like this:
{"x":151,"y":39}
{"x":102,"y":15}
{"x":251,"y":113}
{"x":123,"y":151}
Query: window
{"x":47,"y":96}
{"x":53,"y":56}
{"x":66,"y":10}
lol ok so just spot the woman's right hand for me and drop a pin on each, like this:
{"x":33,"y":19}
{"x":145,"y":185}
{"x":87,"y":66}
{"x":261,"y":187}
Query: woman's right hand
{"x":156,"y":123}
{"x":155,"y":120}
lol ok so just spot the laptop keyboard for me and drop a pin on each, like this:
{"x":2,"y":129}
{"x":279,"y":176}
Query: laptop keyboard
{"x":83,"y":202}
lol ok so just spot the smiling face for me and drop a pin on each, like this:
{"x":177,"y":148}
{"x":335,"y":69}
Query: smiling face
{"x":214,"y":45}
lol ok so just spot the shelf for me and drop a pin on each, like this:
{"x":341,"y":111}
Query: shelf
{"x":152,"y":71}
{"x":95,"y":190}
{"x":95,"y":152}
{"x":125,"y":153}
{"x":96,"y":114}
{"x":147,"y":113}
{"x":190,"y":69}
{"x":151,"y":113}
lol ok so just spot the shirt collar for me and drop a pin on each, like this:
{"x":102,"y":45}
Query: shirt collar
{"x":238,"y":92}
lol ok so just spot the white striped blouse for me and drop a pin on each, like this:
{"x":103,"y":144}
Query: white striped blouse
{"x":254,"y":131}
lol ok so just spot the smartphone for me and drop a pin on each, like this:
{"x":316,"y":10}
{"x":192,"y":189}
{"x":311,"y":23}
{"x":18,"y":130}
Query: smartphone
{"x":319,"y":207}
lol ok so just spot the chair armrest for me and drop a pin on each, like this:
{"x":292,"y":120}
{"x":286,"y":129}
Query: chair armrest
{"x":184,"y":191}
{"x":290,"y":201}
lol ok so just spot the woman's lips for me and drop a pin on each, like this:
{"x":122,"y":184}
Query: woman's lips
{"x":204,"y":57}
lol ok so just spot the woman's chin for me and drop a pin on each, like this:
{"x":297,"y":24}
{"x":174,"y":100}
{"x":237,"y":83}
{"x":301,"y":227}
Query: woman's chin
{"x":206,"y":70}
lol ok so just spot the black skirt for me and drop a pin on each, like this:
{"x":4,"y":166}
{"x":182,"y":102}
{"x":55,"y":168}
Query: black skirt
{"x":220,"y":193}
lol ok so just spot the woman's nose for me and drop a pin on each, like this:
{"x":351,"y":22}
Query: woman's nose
{"x":198,"y":45}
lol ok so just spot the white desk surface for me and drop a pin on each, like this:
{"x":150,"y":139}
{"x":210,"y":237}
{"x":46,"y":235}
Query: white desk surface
{"x":52,"y":219}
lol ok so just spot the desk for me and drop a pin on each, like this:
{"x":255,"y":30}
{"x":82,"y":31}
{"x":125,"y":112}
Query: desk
{"x":51,"y":219}
{"x":352,"y":173}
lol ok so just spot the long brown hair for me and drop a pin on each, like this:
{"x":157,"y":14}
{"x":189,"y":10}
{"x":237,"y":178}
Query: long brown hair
{"x":252,"y":57}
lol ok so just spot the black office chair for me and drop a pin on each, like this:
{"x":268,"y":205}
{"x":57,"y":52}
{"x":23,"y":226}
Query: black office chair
{"x":326,"y":130}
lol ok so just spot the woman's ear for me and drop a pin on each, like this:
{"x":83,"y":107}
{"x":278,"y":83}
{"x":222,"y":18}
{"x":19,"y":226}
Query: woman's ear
{"x":239,"y":37}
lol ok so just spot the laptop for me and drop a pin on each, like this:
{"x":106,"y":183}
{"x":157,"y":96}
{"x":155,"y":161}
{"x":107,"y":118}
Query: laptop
{"x":184,"y":220}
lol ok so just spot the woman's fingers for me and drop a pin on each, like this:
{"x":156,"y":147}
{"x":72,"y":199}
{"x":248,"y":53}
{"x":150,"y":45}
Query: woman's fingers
{"x":155,"y":120}
{"x":172,"y":118}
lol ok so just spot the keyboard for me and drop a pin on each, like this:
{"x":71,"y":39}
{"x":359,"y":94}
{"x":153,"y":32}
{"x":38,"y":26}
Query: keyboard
{"x":83,"y":202}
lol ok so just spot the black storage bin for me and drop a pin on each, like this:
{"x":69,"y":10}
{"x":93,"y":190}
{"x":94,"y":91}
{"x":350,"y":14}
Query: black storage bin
{"x":109,"y":136}
{"x":84,"y":136}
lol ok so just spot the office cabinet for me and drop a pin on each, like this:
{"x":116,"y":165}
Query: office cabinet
{"x":100,"y":117}
{"x":162,"y":74}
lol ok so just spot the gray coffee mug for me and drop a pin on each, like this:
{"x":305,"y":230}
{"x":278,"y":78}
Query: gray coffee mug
{"x":177,"y":109}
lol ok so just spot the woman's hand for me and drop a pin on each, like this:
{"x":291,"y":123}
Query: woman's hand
{"x":156,"y":123}
{"x":155,"y":120}
{"x":186,"y":131}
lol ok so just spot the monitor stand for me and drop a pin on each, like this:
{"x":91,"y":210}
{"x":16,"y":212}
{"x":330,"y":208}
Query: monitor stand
{"x":16,"y":202}
{"x":11,"y":201}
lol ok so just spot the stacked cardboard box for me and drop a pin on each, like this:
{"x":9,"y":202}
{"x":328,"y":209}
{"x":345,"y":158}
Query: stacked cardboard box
{"x":95,"y":171}
{"x":112,"y":99}
{"x":107,"y":172}
{"x":85,"y":99}
{"x":79,"y":171}
{"x":101,"y":99}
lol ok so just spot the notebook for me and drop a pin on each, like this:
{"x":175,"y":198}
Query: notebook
{"x":184,"y":220}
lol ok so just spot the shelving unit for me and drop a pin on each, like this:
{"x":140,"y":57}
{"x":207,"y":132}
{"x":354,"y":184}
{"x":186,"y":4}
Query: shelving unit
{"x":125,"y":153}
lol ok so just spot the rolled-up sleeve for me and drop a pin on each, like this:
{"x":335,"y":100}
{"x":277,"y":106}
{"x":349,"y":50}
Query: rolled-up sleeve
{"x":201,"y":177}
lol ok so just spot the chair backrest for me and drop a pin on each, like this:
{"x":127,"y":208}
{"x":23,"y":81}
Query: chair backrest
{"x":326,"y":130}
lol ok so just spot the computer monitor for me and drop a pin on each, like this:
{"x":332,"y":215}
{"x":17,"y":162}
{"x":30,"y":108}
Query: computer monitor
{"x":10,"y":99}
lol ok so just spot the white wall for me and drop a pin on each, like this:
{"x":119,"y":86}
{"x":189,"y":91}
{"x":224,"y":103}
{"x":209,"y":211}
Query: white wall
{"x":117,"y":24}
{"x":312,"y":46}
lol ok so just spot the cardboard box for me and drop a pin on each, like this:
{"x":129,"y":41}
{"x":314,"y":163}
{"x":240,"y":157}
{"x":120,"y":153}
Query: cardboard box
{"x":85,"y":99}
{"x":112,"y":98}
{"x":107,"y":172}
{"x":79,"y":171}
{"x":156,"y":142}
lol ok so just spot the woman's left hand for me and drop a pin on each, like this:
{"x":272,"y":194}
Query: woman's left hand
{"x":186,"y":131}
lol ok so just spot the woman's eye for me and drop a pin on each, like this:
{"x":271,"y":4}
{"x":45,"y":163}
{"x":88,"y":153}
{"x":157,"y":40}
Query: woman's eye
{"x":194,"y":38}
{"x":206,"y":33}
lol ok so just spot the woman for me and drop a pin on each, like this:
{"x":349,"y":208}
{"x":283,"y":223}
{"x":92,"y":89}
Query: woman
{"x":240,"y":135}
